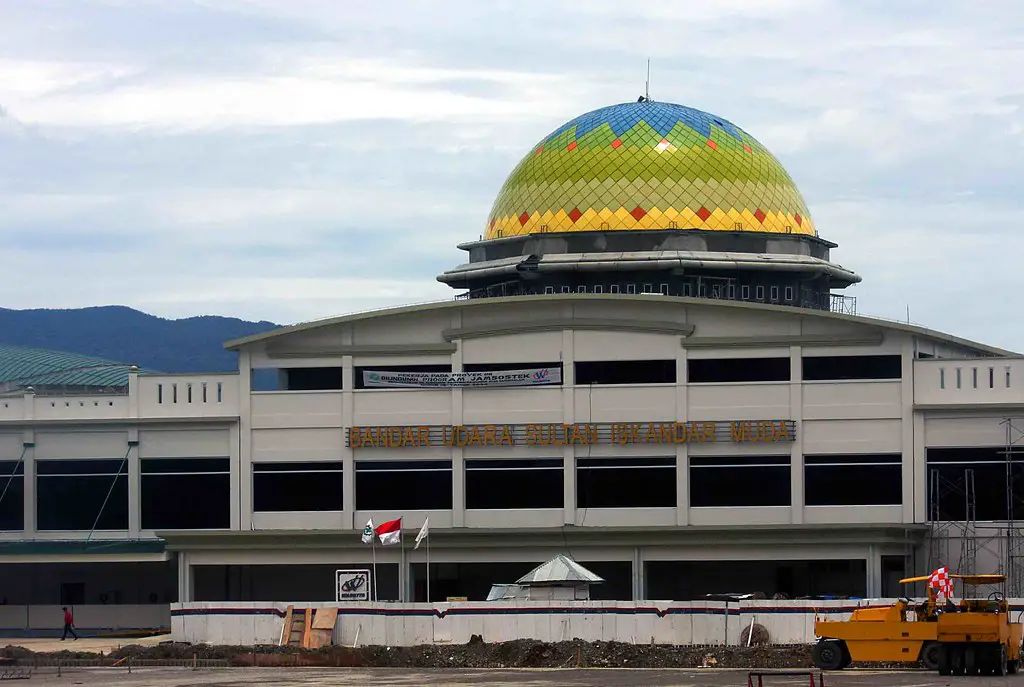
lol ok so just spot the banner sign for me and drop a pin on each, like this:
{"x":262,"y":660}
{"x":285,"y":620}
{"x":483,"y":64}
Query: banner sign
{"x":352,"y":585}
{"x":529,"y":377}
{"x":578,"y":434}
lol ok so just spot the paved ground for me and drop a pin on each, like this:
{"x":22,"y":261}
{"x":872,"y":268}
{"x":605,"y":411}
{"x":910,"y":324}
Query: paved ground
{"x":277,"y":677}
{"x":94,"y":644}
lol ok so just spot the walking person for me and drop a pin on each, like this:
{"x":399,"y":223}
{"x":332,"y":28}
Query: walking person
{"x":69,"y":624}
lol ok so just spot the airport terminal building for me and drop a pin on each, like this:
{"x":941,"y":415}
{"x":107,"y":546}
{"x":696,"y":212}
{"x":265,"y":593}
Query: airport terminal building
{"x":648,"y":365}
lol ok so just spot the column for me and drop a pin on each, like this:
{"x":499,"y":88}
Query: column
{"x":912,"y":443}
{"x":638,"y":574}
{"x":874,"y":572}
{"x":134,"y":484}
{"x":185,"y":579}
{"x":348,"y":463}
{"x":28,"y":447}
{"x":569,"y":416}
{"x":241,"y":465}
{"x":682,"y":450}
{"x":796,"y":413}
{"x":458,"y":454}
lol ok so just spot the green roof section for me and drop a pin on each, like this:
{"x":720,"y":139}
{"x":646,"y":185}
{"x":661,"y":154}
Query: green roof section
{"x":21,"y":367}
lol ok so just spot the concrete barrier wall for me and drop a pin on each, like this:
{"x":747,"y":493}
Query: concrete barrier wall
{"x":27,"y":621}
{"x":392,"y":624}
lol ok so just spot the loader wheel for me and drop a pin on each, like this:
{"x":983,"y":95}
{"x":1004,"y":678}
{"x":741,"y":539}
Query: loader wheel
{"x":828,"y":654}
{"x":945,"y":660}
{"x":930,"y":655}
{"x":1002,"y":668}
{"x":956,"y":659}
{"x":1011,"y":667}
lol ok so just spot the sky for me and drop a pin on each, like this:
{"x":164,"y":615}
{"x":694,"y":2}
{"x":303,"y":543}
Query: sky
{"x":288,"y":160}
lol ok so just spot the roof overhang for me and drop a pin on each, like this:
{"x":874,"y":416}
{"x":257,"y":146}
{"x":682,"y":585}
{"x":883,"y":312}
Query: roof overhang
{"x":682,"y":260}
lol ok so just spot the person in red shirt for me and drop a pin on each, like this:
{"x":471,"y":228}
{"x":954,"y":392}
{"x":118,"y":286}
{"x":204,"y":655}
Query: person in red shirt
{"x":69,"y":623}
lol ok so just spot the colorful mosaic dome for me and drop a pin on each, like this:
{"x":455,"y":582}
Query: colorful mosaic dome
{"x":648,"y":165}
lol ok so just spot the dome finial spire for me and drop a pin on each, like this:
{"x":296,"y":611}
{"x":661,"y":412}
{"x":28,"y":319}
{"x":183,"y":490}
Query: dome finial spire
{"x":647,"y":84}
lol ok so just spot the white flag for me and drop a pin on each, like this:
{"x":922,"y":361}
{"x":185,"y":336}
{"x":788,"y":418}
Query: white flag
{"x":368,"y":532}
{"x":424,"y":531}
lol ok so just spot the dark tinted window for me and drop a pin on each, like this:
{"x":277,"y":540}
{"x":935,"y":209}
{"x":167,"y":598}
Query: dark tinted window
{"x":297,"y":487}
{"x":499,"y":484}
{"x":626,"y":372}
{"x":853,"y":480}
{"x":837,"y":367}
{"x":186,"y":493}
{"x":626,"y":482}
{"x":404,"y":485}
{"x":737,"y":481}
{"x":738,"y":370}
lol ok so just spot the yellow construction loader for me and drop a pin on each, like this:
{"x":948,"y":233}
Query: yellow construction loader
{"x":974,"y":636}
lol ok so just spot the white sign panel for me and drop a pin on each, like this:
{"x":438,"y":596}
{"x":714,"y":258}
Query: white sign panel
{"x":352,"y":585}
{"x":529,"y":377}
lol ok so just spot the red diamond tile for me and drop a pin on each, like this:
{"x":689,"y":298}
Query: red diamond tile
{"x":538,"y":151}
{"x":524,"y":218}
{"x":703,"y":213}
{"x":712,"y":145}
{"x":616,"y":143}
{"x":799,"y":220}
{"x":747,"y":148}
{"x":638,"y":213}
{"x":495,"y":221}
{"x":759,"y":215}
{"x":572,"y":145}
{"x":575,"y":215}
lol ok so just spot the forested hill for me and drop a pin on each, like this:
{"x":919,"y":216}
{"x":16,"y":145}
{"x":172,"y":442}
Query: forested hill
{"x":193,"y":344}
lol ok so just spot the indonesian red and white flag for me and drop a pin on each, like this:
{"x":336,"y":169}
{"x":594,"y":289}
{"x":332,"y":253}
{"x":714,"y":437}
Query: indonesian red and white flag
{"x":390,"y":532}
{"x":941,"y":581}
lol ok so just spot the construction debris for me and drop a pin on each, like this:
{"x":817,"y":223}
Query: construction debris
{"x":522,"y":653}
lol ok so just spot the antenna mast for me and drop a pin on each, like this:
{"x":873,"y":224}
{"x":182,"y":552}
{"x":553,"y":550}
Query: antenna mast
{"x":647,"y":84}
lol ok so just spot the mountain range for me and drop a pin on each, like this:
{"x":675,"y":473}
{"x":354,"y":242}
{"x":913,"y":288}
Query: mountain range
{"x":192,"y":344}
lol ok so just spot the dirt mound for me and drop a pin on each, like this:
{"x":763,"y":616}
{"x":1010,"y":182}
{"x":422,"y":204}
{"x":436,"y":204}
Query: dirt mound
{"x":520,"y":653}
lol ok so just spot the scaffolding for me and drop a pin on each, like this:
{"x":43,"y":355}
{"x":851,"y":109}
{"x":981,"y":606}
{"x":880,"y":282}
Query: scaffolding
{"x":1002,"y":542}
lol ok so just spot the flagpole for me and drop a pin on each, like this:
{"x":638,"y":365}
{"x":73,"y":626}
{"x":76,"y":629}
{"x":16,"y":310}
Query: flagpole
{"x":373,"y":547}
{"x":428,"y":568}
{"x":401,"y":564}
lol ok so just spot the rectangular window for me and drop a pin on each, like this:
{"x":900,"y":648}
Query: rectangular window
{"x":991,"y":378}
{"x":760,"y":293}
{"x":565,"y":289}
{"x":12,"y":505}
{"x":853,"y":480}
{"x":739,"y":481}
{"x":614,"y":288}
{"x":974,"y":377}
{"x":186,"y":493}
{"x":953,"y":472}
{"x":745,"y":292}
{"x":942,"y":378}
{"x":598,"y":288}
{"x":188,"y":391}
{"x":204,"y":392}
{"x":719,"y":370}
{"x":626,"y":482}
{"x":1007,"y":376}
{"x":836,"y":367}
{"x":361,"y":376}
{"x":648,"y":288}
{"x":174,"y":393}
{"x":581,"y":289}
{"x":287,"y":487}
{"x":958,"y":375}
{"x":732,"y":292}
{"x":502,"y":367}
{"x":514,"y":484}
{"x":312,"y":378}
{"x":789,"y":294}
{"x":775,"y":293}
{"x":404,"y":485}
{"x":664,"y":289}
{"x":549,"y":289}
{"x":159,"y":393}
{"x":630,"y":288}
{"x":626,"y":372}
{"x":72,"y":494}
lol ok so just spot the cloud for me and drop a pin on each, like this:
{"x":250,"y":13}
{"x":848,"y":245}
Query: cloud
{"x":292,"y":160}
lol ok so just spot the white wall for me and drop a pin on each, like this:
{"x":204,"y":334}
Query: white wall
{"x":89,"y":619}
{"x":660,"y":622}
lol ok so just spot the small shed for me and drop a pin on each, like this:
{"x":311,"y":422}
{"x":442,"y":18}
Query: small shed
{"x":561,"y":578}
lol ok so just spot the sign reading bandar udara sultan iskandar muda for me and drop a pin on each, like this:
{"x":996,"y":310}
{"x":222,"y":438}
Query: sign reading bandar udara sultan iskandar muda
{"x":576,"y":434}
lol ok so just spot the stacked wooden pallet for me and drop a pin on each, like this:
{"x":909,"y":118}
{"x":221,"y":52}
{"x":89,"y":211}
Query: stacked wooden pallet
{"x":308,"y":630}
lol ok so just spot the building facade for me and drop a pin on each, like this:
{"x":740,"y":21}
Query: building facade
{"x":678,"y":441}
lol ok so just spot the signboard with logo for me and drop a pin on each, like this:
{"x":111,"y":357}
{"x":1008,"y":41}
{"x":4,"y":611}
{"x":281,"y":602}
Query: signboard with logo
{"x":538,"y":376}
{"x":352,"y":585}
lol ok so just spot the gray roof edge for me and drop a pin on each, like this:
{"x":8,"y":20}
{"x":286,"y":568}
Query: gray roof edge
{"x":395,"y":311}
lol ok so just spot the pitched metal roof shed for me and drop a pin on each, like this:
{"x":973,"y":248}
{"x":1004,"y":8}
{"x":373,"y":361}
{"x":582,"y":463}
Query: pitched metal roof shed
{"x":559,"y":570}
